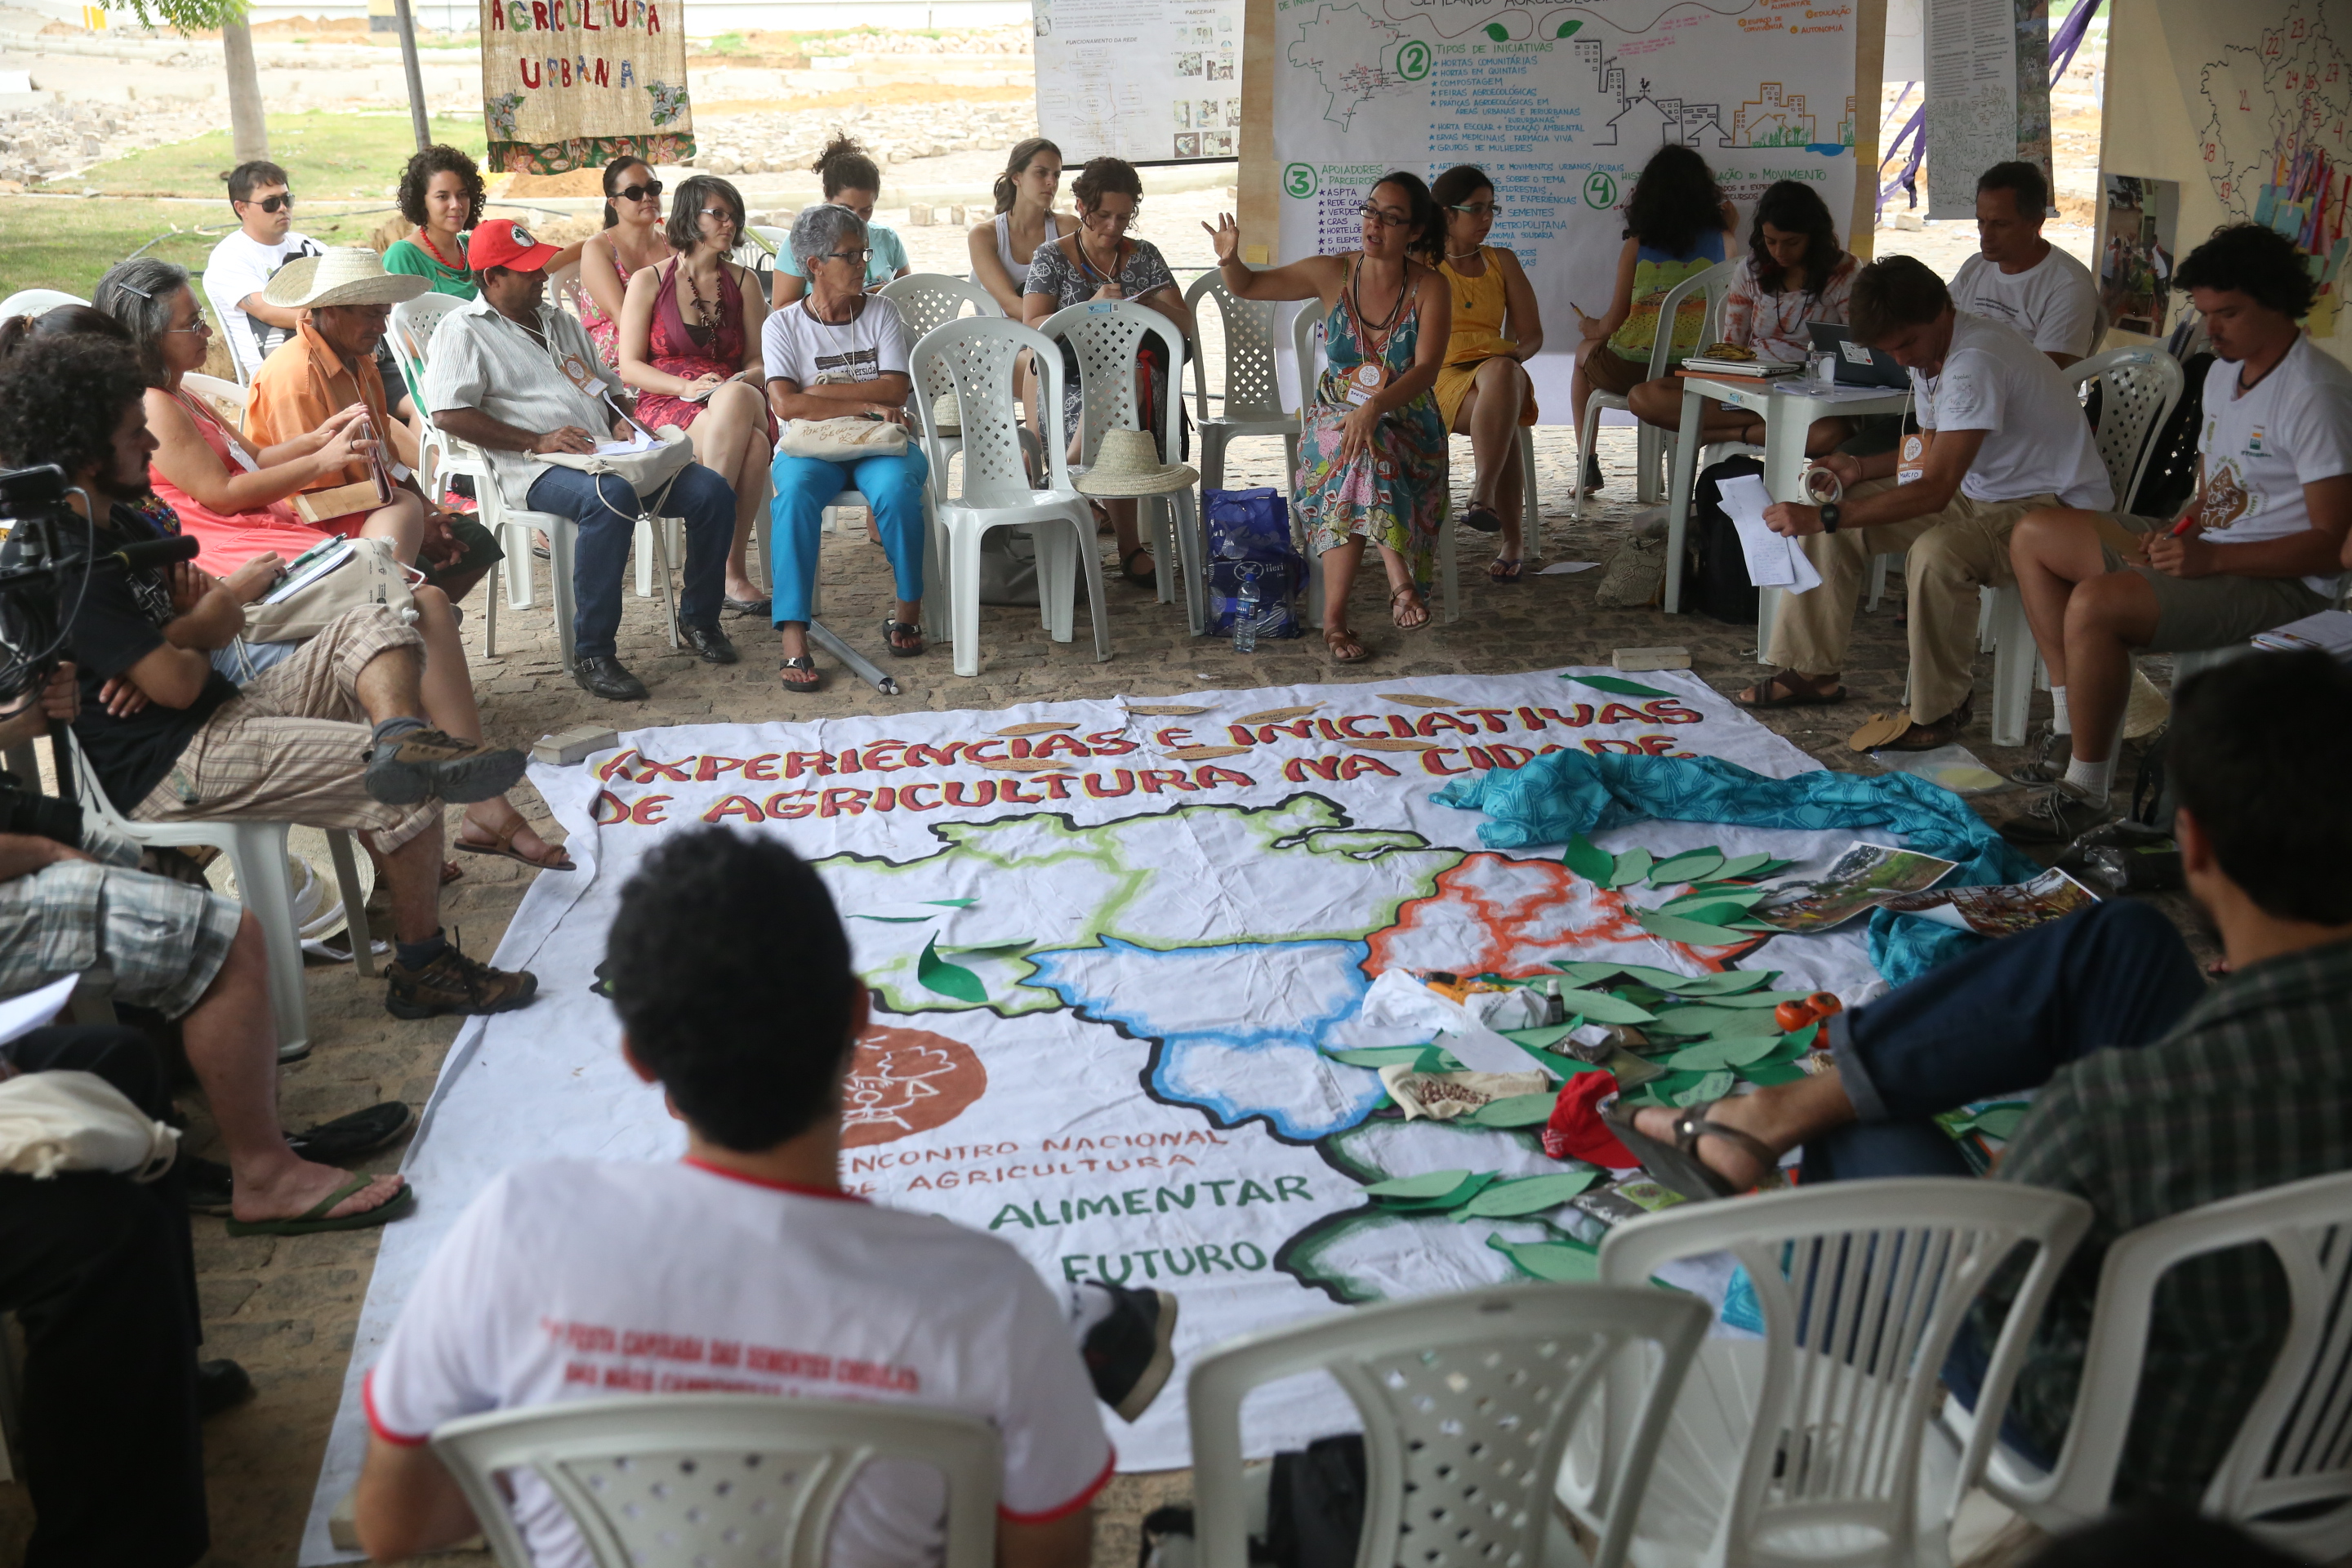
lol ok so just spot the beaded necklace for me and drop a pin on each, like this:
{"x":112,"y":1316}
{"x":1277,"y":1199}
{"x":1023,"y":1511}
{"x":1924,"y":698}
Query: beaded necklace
{"x":425,"y":239}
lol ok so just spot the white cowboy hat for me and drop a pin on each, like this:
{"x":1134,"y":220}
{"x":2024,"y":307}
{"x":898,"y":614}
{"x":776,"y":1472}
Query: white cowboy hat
{"x":348,"y":275}
{"x":318,"y":914}
{"x":1127,"y":464}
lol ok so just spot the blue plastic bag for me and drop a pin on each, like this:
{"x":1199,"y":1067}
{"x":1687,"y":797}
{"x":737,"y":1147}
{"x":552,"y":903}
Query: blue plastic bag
{"x":1252,"y":527}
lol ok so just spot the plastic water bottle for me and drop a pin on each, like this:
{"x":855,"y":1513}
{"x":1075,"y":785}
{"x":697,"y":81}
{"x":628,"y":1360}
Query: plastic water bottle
{"x":1245,"y":610}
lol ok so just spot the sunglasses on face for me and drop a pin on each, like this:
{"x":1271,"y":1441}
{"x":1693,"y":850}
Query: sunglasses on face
{"x":1386,"y":218}
{"x":650,"y":191}
{"x":283,"y":201}
{"x":721,"y":214}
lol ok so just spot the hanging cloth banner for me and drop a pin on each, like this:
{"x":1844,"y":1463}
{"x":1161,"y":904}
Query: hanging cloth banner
{"x":573,"y":84}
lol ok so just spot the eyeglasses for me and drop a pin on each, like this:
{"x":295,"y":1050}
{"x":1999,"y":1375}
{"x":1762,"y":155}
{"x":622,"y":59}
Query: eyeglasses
{"x":1386,"y":218}
{"x":722,"y":215}
{"x":199,"y":325}
{"x":282,"y":202}
{"x":648,"y":192}
{"x":1478,"y":209}
{"x":1099,"y":218}
{"x":855,"y":257}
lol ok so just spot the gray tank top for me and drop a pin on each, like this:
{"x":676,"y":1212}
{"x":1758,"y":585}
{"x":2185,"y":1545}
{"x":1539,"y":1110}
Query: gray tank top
{"x":1016,"y":270}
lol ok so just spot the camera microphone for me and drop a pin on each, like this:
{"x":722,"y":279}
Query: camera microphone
{"x":149,"y":553}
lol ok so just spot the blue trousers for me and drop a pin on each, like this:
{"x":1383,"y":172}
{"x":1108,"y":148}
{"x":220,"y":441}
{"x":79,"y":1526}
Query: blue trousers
{"x":892,"y":486}
{"x":608,"y":520}
{"x":2005,"y":1016}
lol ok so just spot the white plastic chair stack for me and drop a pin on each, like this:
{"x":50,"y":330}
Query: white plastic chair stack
{"x":1251,"y":396}
{"x":976,"y":356}
{"x":1467,"y":1401}
{"x":1107,"y":334}
{"x":2138,"y":387}
{"x":1805,"y":1447}
{"x":257,"y":851}
{"x":718,"y":1480}
{"x":1652,"y":444}
{"x":1306,"y":342}
{"x":2287,"y":1477}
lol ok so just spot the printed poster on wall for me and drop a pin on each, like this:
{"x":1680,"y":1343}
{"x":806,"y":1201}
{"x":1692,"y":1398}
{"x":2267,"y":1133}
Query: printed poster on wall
{"x":1151,"y":84}
{"x":1560,"y":105}
{"x":573,"y":84}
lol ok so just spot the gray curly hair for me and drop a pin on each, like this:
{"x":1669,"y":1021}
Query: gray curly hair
{"x":819,"y":231}
{"x":139,"y":294}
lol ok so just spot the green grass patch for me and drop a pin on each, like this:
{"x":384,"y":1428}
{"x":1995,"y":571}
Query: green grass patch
{"x":326,"y":156}
{"x":69,"y":245}
{"x":730,"y":44}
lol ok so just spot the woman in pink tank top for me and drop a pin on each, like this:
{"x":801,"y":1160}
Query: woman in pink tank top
{"x":632,"y":241}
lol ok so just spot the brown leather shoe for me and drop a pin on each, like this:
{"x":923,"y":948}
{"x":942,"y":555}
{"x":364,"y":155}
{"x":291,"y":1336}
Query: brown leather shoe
{"x":454,"y":983}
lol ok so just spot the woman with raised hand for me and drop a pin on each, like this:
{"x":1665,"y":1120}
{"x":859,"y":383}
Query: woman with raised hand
{"x":1484,"y":392}
{"x":1677,"y":225}
{"x":232,"y":500}
{"x":1100,"y":260}
{"x":1794,"y":272}
{"x":1001,"y":246}
{"x":690,"y":347}
{"x":632,"y":240}
{"x":850,"y":179}
{"x":840,"y":352}
{"x":1371,"y":460}
{"x":441,"y":192}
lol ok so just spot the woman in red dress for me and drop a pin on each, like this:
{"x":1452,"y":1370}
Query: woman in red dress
{"x":690,"y":348}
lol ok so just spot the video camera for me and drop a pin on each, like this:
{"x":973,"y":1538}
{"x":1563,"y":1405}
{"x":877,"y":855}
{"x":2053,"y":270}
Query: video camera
{"x":45,"y":568}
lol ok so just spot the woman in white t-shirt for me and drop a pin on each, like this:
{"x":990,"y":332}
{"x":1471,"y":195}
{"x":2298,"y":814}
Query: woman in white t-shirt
{"x":840,"y":351}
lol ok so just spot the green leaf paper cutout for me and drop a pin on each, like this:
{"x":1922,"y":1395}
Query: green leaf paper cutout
{"x":1542,"y":1037}
{"x":1999,"y":1121}
{"x":1616,"y":685}
{"x":1515,"y":1111}
{"x":1743,"y":866}
{"x":1555,"y":1262}
{"x":1632,"y":866}
{"x":936,"y":974}
{"x":1770,"y":1073}
{"x":1739,"y":900}
{"x":1010,"y":945}
{"x":1599,"y":1007}
{"x":1713,"y":1087}
{"x":1711,"y":912}
{"x":1674,"y":928}
{"x":1691,"y":866}
{"x":1757,"y":1000}
{"x":1379,"y":1056}
{"x":1428,"y":1184}
{"x":1589,"y":860}
{"x":1727,"y":983}
{"x":1532,"y":1194}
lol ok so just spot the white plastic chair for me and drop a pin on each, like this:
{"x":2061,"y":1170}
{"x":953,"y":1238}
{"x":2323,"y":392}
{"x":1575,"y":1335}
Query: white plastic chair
{"x":1652,"y":444}
{"x":719,"y":1480}
{"x":1107,"y":335}
{"x":1805,"y":1446}
{"x":35,"y":301}
{"x":2290,"y":1452}
{"x":2139,"y":387}
{"x":976,"y":357}
{"x":1306,"y":342}
{"x":564,"y":284}
{"x":257,"y":851}
{"x":926,"y":299}
{"x":1467,"y":1400}
{"x":1251,"y":397}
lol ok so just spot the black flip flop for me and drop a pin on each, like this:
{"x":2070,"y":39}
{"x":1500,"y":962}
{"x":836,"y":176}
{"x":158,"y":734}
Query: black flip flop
{"x":802,"y":661}
{"x":890,"y":630}
{"x":1150,"y":579}
{"x":1482,"y":517}
{"x":1509,"y":569}
{"x":1677,"y":1164}
{"x":349,"y":1137}
{"x":744,"y":609}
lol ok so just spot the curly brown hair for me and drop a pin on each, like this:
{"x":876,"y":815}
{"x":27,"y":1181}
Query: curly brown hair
{"x":62,"y":396}
{"x":440,"y":159}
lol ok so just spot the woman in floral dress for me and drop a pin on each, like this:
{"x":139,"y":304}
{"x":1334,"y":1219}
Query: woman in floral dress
{"x":1372,"y":460}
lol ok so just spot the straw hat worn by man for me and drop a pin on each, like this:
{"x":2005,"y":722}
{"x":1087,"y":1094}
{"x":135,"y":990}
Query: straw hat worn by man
{"x":344,"y":297}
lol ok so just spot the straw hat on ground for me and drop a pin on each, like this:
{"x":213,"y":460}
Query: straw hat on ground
{"x":1127,"y":464}
{"x":347,"y":275}
{"x":318,"y":913}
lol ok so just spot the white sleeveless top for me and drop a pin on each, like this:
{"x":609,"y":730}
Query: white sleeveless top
{"x":1016,"y":270}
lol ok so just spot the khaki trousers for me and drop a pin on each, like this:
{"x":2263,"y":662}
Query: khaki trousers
{"x":1948,"y":556}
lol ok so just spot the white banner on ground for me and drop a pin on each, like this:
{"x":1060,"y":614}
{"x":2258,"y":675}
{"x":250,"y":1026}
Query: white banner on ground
{"x":1153,"y":84}
{"x":1560,"y":105}
{"x":1160,"y":914}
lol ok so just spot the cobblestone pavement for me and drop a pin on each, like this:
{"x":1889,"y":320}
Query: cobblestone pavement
{"x":287,"y":1308}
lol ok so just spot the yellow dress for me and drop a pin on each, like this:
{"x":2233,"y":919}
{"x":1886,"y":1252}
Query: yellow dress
{"x":1479,"y":306}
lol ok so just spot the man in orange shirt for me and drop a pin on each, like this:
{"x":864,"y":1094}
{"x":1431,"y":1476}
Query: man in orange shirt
{"x":345,"y":298}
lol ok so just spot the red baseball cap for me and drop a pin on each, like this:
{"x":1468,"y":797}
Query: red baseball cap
{"x":502,"y":242}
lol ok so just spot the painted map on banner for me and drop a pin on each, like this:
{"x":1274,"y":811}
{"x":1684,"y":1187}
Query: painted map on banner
{"x":1150,"y":83}
{"x":1113,"y":947}
{"x":573,"y":84}
{"x":1561,"y":105}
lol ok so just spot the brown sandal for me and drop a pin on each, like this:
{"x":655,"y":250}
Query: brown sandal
{"x":501,"y":845}
{"x":1336,"y":645}
{"x":1791,"y":695}
{"x":1397,"y":615}
{"x":1942,"y":733}
{"x":1677,"y":1164}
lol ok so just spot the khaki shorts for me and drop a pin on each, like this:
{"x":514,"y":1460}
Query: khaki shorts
{"x":2196,"y":613}
{"x":1606,"y":370}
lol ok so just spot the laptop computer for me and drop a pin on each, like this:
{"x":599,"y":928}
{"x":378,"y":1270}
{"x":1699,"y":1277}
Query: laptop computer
{"x":1858,"y":364}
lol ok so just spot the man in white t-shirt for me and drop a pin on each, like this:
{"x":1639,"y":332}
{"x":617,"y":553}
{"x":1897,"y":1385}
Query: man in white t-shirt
{"x":2261,"y":543}
{"x":244,"y":262}
{"x":744,"y":1266}
{"x":2003,"y":435}
{"x":2019,"y":277}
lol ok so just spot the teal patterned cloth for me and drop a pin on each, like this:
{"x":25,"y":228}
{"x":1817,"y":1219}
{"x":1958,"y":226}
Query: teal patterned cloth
{"x":1563,"y":794}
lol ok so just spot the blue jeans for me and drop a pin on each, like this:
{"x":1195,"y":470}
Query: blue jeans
{"x":608,"y":520}
{"x":892,"y":486}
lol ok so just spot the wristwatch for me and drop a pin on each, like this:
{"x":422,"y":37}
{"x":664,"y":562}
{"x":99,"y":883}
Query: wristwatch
{"x":1829,"y":511}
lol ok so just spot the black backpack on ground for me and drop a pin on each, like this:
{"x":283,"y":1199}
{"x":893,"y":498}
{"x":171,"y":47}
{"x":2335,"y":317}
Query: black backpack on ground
{"x":1715,"y":572}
